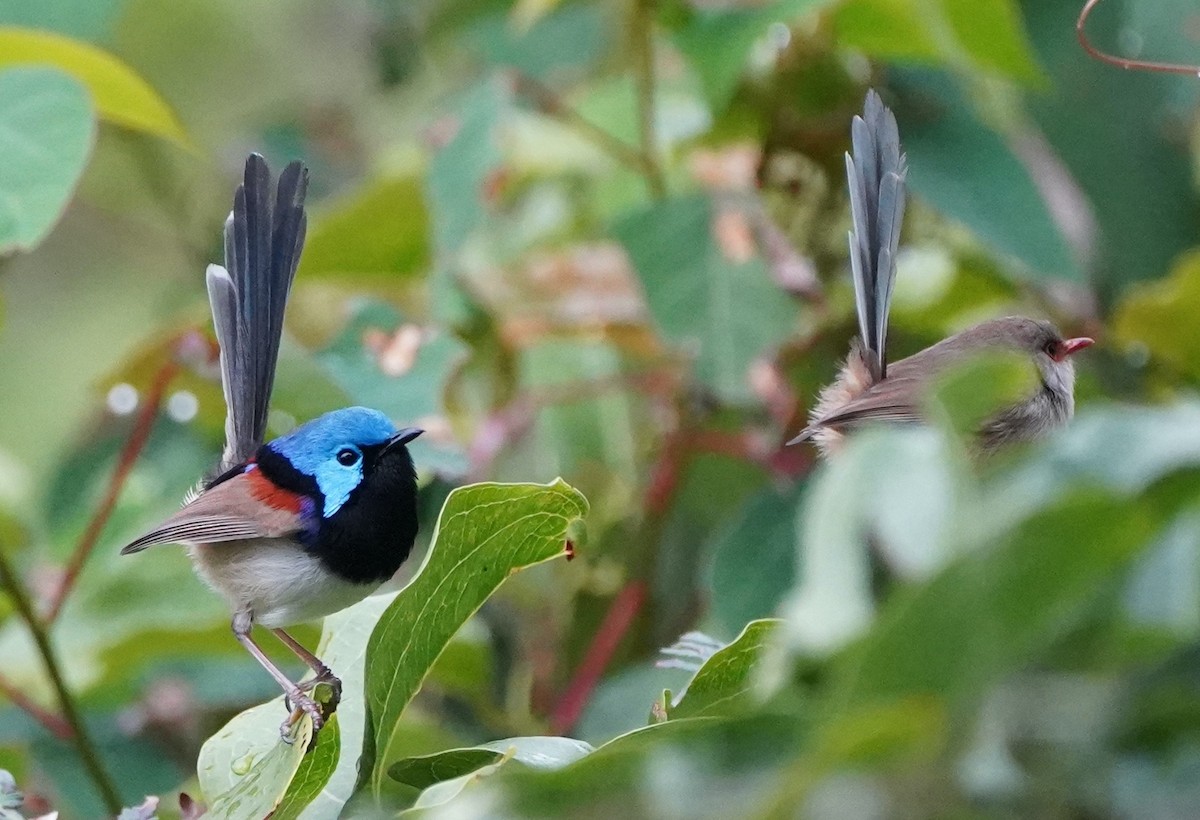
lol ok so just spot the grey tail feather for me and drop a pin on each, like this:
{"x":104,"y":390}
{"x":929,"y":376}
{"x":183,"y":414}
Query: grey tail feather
{"x":248,"y":296}
{"x":876,"y":176}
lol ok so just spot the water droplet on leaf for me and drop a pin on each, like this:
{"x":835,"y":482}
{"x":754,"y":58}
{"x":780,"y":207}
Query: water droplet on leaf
{"x":242,"y":765}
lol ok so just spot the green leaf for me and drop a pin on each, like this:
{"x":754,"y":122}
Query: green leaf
{"x":1012,"y":217}
{"x":754,"y":558}
{"x":984,"y":35}
{"x":484,"y":534}
{"x":458,"y":175}
{"x":343,"y":647}
{"x":1138,"y":180}
{"x":685,"y":768}
{"x":403,"y":376}
{"x":729,"y":312}
{"x":313,"y":773}
{"x":324,"y":779}
{"x":380,"y":231}
{"x":46,"y":133}
{"x":972,"y":392}
{"x":718,"y":40}
{"x":570,"y":38}
{"x":246,"y":769}
{"x":901,"y":485}
{"x":1161,"y":315}
{"x":720,"y":687}
{"x":537,"y":752}
{"x":406,"y":390}
{"x":85,"y":19}
{"x":990,"y":613}
{"x":119,"y":94}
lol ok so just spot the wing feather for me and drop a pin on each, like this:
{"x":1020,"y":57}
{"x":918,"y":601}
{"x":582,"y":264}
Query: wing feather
{"x":228,"y":511}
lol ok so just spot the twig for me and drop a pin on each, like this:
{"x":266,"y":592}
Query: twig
{"x":50,"y":721}
{"x":128,"y":457}
{"x":642,"y":38}
{"x":80,"y":737}
{"x":1124,"y":62}
{"x":550,"y":104}
{"x":620,"y":616}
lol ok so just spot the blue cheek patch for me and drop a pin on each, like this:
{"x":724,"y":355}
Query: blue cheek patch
{"x":336,"y":483}
{"x":312,"y":450}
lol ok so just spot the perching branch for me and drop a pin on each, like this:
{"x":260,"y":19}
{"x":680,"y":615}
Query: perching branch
{"x":129,"y":455}
{"x":79,"y":734}
{"x":54,"y":724}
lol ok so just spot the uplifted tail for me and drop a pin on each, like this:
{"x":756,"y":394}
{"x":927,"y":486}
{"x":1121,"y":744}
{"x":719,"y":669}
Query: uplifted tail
{"x":875,"y":175}
{"x":248,"y":296}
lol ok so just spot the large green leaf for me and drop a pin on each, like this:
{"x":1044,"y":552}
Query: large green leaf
{"x":484,"y":534}
{"x":722,"y":683}
{"x":344,"y":647}
{"x":990,"y":613}
{"x":86,"y":19}
{"x":1138,"y":178}
{"x":900,"y":485}
{"x":754,"y":558}
{"x":404,"y":380}
{"x":244,"y":761}
{"x":458,"y":175}
{"x":565,"y":39}
{"x":380,"y":231}
{"x":46,"y":133}
{"x":696,"y":767}
{"x":537,"y":752}
{"x":728,"y":312}
{"x":997,"y":200}
{"x":718,"y":40}
{"x":119,"y":94}
{"x":399,"y":369}
{"x":1161,"y":315}
{"x":246,"y":769}
{"x":984,"y":35}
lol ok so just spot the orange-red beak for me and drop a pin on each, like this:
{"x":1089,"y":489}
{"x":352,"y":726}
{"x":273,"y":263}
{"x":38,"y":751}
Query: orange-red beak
{"x":1070,"y":346}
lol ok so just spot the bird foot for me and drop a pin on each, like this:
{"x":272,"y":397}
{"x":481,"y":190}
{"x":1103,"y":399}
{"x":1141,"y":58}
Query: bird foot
{"x":304,"y":705}
{"x":329,"y":679}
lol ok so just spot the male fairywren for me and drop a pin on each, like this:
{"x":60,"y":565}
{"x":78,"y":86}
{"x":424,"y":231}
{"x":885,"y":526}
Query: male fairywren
{"x":315,"y":520}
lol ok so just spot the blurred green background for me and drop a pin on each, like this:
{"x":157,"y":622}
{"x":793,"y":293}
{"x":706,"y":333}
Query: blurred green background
{"x":606,"y":240}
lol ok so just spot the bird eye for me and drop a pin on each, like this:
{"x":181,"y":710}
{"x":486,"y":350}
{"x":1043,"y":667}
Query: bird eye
{"x":1051,"y":349}
{"x":346,"y":456}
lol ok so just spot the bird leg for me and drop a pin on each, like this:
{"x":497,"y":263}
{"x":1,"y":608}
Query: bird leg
{"x":323,"y":673}
{"x":242,"y":623}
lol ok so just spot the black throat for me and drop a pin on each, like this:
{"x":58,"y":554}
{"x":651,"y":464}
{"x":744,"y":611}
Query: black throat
{"x":372,"y":533}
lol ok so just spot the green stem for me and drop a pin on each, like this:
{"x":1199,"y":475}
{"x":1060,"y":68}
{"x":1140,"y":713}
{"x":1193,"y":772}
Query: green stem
{"x":642,"y":38}
{"x":82,"y":740}
{"x":550,"y":104}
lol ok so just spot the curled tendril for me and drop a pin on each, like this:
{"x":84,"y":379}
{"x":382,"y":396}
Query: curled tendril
{"x":1124,"y":62}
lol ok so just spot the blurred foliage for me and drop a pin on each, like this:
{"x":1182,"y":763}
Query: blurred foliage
{"x":606,"y":241}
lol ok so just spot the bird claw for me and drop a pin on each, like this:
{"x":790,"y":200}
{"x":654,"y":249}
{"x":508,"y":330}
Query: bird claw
{"x":330,"y":703}
{"x":304,"y":705}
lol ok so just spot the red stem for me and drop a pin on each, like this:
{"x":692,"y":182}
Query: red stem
{"x":620,"y":616}
{"x":134,"y":445}
{"x":1123,"y":62}
{"x":52,"y":722}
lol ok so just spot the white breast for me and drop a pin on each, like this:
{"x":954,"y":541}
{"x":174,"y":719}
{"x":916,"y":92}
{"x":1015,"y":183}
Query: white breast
{"x":277,"y":581}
